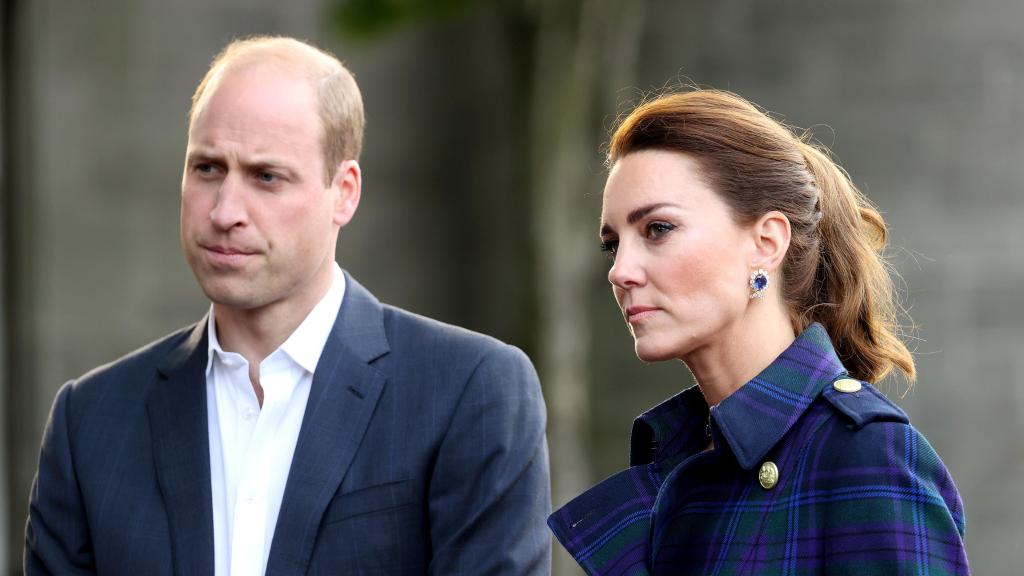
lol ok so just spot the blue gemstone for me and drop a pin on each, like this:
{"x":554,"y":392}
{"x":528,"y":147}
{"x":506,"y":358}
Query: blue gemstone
{"x":760,"y":282}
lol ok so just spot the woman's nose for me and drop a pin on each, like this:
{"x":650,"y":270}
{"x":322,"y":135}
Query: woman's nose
{"x":627,"y":270}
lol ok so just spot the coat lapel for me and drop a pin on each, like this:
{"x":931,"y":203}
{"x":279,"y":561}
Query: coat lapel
{"x":181,"y":452}
{"x":607,"y":528}
{"x":342,"y":399}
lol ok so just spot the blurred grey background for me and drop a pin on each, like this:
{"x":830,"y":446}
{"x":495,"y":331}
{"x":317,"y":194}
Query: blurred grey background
{"x":482,"y":191}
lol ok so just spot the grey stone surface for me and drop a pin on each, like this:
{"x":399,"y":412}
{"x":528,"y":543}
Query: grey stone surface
{"x":921,"y":101}
{"x":4,"y":470}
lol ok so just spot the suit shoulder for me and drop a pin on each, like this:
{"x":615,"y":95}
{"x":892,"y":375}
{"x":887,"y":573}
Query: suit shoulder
{"x":133,"y":364}
{"x":446,"y":353}
{"x":404,"y":326}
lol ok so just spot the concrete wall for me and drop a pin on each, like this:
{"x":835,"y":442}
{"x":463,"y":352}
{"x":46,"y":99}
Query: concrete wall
{"x":4,"y":503}
{"x":922,"y":100}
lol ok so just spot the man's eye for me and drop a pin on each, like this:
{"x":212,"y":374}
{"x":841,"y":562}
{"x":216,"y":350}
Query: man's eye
{"x":204,"y":168}
{"x":656,"y":230}
{"x":266,"y":177}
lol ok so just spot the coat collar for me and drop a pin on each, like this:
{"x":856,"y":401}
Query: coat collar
{"x":345,"y":390}
{"x":607,"y":529}
{"x":752,"y":420}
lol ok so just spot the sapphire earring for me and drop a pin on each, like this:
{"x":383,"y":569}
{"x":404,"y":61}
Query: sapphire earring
{"x":758,"y":283}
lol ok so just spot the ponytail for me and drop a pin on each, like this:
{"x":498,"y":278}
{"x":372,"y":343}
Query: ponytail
{"x":853,"y":291}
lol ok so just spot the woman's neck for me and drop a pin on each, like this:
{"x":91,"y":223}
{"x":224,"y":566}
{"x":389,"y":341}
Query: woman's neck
{"x":741,"y":351}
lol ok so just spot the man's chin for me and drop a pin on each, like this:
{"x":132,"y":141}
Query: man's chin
{"x":229,"y":296}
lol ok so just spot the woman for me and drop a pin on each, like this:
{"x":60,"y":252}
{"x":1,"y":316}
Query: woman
{"x":745,"y":252}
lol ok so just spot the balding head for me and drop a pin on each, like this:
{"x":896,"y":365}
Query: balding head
{"x":340,"y":105}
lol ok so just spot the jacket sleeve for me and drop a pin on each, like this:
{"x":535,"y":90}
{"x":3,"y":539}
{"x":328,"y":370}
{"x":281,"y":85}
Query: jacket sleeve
{"x":57,"y":535}
{"x":893,"y":507}
{"x":490,"y":491}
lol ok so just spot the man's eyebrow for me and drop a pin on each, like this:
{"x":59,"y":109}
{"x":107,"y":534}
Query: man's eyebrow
{"x":198,"y":156}
{"x":257,"y":163}
{"x":636,"y":214}
{"x":267,"y":162}
{"x":278,"y":166}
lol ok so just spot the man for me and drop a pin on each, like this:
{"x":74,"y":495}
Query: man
{"x":301,"y":427}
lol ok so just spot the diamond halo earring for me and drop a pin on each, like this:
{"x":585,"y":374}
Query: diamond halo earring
{"x":758,"y":283}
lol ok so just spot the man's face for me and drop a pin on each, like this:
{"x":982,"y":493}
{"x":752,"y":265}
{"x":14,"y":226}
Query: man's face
{"x":258,"y":225}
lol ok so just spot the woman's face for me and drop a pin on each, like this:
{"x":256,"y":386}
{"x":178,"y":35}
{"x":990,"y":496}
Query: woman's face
{"x":681,"y":265}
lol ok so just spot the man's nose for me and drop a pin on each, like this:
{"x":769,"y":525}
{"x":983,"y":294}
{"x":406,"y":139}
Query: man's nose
{"x":230,"y":209}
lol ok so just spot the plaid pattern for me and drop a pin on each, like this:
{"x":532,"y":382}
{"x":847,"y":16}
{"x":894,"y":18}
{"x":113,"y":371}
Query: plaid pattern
{"x":860,"y":491}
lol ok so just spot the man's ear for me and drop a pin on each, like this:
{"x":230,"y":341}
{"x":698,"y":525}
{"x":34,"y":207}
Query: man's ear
{"x":771,"y":233}
{"x":347,"y":185}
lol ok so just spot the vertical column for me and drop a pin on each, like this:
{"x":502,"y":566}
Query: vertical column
{"x":4,"y":226}
{"x":16,"y":303}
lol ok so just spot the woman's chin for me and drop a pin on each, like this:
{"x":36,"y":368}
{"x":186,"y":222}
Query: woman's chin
{"x":648,"y":353}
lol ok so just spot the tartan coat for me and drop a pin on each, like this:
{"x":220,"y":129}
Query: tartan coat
{"x":855,"y":490}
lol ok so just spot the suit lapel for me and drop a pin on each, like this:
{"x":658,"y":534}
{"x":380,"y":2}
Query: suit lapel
{"x":342,"y":399}
{"x":181,"y":452}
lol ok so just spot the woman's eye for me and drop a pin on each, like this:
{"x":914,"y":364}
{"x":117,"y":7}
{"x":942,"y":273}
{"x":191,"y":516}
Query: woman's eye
{"x":610,"y":247}
{"x":656,"y":230}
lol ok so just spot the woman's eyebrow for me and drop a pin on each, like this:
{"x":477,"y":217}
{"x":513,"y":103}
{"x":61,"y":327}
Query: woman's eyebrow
{"x":636,"y":214}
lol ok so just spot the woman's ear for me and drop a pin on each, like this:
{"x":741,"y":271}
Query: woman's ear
{"x":771,"y":240}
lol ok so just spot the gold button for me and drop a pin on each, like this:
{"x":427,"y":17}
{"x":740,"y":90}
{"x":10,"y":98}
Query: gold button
{"x":768,"y":476}
{"x":848,"y":385}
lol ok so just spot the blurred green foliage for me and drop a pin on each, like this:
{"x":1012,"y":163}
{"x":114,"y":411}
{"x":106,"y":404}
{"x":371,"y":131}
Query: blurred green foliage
{"x":368,"y":19}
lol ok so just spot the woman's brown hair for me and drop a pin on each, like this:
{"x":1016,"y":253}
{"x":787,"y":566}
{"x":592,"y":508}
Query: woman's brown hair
{"x":834,"y":272}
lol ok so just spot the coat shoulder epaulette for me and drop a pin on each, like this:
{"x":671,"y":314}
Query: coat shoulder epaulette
{"x":862,"y":403}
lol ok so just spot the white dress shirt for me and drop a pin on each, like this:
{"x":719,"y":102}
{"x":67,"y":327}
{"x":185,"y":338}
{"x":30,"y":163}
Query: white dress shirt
{"x":251,"y":449}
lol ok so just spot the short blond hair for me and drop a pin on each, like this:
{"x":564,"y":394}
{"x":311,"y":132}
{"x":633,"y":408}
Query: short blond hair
{"x":340,"y":105}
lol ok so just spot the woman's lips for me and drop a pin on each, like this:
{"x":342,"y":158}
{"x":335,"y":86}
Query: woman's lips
{"x":636,"y":314}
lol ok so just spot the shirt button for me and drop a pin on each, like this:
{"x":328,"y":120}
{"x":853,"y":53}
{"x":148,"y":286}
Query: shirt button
{"x":249,"y":413}
{"x":768,"y":475}
{"x":847,"y":385}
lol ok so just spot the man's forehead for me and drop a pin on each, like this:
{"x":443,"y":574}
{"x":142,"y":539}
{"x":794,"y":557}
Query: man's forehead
{"x":269,"y":81}
{"x":257,"y":116}
{"x":259,"y":96}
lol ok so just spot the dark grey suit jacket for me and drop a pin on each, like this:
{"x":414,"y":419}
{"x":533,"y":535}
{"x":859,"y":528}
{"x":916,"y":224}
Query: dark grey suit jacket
{"x":422,"y":451}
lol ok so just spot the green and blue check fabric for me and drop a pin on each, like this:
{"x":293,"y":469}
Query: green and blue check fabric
{"x":860,"y":491}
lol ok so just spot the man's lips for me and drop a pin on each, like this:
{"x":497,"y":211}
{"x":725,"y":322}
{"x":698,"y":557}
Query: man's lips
{"x":227,"y":255}
{"x":639,"y":313}
{"x":229,"y":250}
